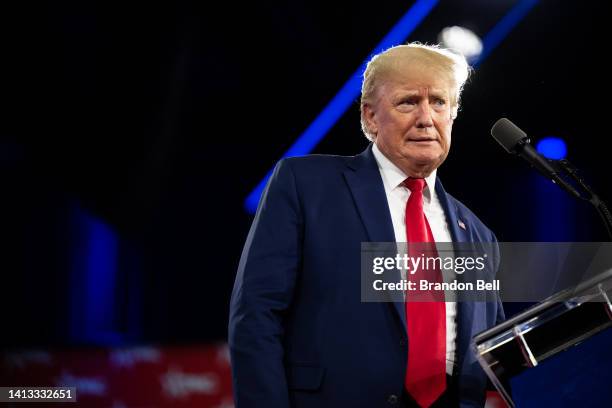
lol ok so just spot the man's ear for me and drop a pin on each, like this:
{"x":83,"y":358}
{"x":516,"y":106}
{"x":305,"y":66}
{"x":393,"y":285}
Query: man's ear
{"x":453,"y":113}
{"x":369,"y":118}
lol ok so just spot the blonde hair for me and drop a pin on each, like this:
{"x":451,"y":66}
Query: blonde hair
{"x":449,"y":64}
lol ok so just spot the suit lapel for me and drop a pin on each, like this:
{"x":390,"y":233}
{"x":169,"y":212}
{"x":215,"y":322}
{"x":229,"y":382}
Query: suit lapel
{"x":457,"y":223}
{"x":460,"y":229}
{"x":366,"y":185}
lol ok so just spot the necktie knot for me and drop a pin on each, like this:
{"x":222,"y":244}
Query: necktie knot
{"x":415,"y":185}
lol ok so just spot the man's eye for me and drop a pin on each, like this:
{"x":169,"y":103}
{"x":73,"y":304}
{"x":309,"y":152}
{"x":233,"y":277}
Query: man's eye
{"x":440,"y":102}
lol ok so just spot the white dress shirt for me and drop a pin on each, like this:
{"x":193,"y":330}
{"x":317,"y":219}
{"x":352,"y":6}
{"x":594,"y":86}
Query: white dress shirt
{"x":397,"y":197}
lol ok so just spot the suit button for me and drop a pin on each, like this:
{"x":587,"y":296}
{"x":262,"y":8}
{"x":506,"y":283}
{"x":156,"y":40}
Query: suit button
{"x":392,"y":399}
{"x":402,"y":342}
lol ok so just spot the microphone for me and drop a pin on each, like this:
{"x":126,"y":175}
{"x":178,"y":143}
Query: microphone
{"x":515,"y":141}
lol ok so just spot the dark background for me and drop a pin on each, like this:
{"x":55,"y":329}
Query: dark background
{"x":149,"y":124}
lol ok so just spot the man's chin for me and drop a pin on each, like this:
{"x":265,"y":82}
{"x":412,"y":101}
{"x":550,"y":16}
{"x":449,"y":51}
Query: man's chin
{"x":426,"y":159}
{"x":422,"y":165}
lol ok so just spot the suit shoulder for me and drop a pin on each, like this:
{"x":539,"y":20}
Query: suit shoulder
{"x":316,"y":162}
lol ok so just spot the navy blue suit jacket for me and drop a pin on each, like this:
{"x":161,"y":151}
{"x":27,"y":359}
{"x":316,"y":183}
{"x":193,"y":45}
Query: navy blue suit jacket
{"x":299,"y":335}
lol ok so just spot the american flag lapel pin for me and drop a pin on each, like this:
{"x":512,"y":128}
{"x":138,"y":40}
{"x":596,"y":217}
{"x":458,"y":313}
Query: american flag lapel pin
{"x":461,"y":224}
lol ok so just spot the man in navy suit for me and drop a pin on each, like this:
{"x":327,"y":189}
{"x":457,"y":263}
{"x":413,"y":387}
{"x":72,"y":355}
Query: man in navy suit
{"x":299,"y":334}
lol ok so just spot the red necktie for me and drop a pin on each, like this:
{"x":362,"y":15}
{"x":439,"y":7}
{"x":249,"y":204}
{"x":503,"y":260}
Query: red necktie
{"x":426,"y":320}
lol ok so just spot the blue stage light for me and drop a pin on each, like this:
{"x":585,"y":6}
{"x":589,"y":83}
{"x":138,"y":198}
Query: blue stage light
{"x":93,"y":281}
{"x":552,"y":148}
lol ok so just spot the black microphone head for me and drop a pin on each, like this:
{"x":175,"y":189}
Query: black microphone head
{"x":508,"y":135}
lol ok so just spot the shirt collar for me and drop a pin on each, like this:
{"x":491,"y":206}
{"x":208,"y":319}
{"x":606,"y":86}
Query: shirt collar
{"x":393,"y":176}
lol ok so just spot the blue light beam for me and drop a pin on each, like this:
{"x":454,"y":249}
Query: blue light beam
{"x":398,"y":34}
{"x":503,"y":28}
{"x":347,"y":94}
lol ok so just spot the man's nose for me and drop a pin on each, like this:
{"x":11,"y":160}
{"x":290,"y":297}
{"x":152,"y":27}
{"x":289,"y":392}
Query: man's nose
{"x":424,"y":119}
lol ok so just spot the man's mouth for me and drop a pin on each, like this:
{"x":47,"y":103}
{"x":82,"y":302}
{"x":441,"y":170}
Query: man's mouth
{"x":422,"y":139}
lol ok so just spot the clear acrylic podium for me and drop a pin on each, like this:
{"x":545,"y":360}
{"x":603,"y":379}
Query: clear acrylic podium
{"x":544,"y":330}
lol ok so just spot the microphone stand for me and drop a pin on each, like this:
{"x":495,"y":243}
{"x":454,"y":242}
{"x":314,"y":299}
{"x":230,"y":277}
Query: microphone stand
{"x":600,"y":206}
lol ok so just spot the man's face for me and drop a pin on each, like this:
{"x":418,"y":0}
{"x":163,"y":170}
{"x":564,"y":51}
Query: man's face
{"x":411,"y":117}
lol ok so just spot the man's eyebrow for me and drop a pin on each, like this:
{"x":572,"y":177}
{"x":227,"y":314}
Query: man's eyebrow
{"x":438,"y":93}
{"x":411,"y":94}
